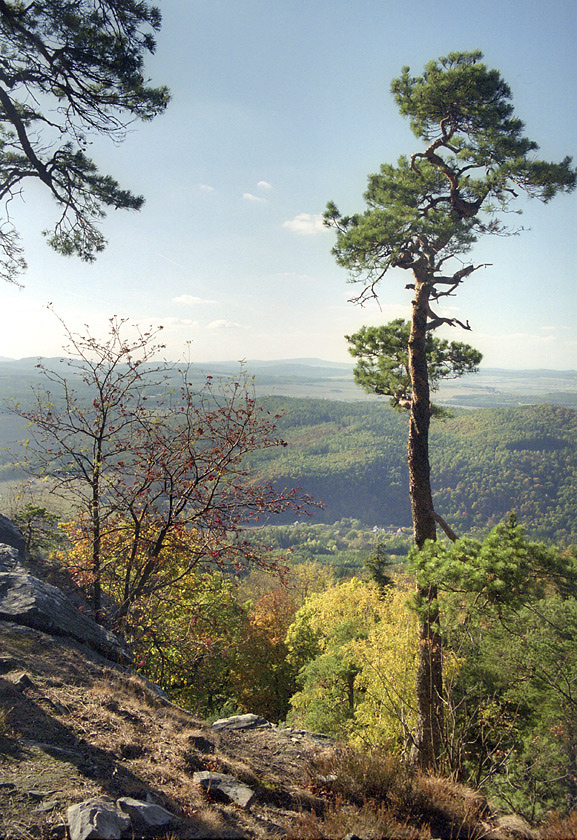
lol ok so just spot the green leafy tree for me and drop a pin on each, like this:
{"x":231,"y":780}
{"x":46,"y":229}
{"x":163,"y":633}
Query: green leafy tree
{"x":543,"y":655}
{"x":39,"y":527}
{"x":70,"y":69}
{"x":184,"y":638}
{"x":423,"y":215}
{"x":383,"y":361}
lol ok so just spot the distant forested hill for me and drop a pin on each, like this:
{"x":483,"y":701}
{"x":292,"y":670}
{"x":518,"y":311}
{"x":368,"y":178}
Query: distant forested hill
{"x":317,"y":379}
{"x":352,"y":456}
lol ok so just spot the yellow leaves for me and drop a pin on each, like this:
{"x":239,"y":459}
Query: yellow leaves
{"x":308,"y":578}
{"x":272,"y":615}
{"x":386,"y":678}
{"x":359,"y":649}
{"x":353,"y":602}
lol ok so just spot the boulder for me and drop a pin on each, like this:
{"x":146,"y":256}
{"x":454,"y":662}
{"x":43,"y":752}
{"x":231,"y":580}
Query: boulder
{"x":26,"y":600}
{"x":10,"y":559}
{"x":512,"y":826}
{"x":11,"y":535}
{"x":97,"y":818}
{"x":242,"y":722}
{"x":225,"y":788}
{"x":145,"y":815}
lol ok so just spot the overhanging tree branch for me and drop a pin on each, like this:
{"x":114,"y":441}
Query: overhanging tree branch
{"x":68,"y":68}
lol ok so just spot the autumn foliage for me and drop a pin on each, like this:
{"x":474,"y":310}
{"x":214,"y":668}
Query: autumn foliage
{"x":156,"y":471}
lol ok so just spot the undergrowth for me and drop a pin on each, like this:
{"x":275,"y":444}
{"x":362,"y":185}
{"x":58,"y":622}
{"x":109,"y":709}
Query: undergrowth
{"x":376,"y":795}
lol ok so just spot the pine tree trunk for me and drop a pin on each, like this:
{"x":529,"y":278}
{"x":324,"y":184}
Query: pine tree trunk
{"x":429,"y":681}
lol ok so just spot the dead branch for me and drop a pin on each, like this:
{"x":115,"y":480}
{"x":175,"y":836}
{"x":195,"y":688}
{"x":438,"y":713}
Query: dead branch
{"x":446,"y":528}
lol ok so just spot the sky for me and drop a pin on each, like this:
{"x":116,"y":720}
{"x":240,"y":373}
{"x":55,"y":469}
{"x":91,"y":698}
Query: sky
{"x":277,"y":108}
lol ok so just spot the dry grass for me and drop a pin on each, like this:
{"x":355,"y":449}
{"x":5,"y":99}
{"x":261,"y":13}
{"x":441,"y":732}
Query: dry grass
{"x":369,"y":821}
{"x":560,"y":828}
{"x":78,"y":726}
{"x":83,"y":727}
{"x":5,"y":728}
{"x":376,"y":796}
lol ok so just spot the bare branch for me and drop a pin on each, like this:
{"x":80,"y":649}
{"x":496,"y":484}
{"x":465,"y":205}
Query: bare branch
{"x":446,"y":528}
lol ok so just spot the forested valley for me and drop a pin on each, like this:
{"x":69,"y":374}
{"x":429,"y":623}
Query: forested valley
{"x":484,"y":463}
{"x":351,"y":457}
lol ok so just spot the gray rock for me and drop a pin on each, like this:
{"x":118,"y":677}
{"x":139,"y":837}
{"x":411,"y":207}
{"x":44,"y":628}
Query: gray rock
{"x":515,"y":826}
{"x":223,"y":787}
{"x":97,"y":818}
{"x":242,"y":722}
{"x":46,"y":807}
{"x":145,"y":814}
{"x":26,"y":600}
{"x":11,"y":535}
{"x":328,"y":780}
{"x":297,"y":734}
{"x":10,"y":559}
{"x":24,"y":681}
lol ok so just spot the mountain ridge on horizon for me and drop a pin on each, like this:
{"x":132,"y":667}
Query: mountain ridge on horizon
{"x":308,"y":361}
{"x":313,"y":378}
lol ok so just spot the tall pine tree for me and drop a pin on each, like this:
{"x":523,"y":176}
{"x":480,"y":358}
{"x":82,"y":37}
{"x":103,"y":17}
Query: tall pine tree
{"x":423,"y":215}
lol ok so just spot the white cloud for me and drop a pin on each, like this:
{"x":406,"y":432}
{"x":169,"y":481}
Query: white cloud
{"x":306,"y":224}
{"x":206,"y":188}
{"x":222,"y":324}
{"x":254,"y":198}
{"x":191,"y":300}
{"x":264,"y":185}
{"x":175,"y":322}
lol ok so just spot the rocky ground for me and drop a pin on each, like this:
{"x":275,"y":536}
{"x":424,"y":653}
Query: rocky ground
{"x":76,"y":727}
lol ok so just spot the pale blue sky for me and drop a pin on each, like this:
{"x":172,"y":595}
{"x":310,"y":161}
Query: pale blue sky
{"x":278,"y":107}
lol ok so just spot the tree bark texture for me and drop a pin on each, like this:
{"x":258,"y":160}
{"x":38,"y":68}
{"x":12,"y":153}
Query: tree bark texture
{"x":429,"y":679}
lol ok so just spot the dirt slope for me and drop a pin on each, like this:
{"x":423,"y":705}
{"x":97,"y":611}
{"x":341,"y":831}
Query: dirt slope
{"x":77,"y":726}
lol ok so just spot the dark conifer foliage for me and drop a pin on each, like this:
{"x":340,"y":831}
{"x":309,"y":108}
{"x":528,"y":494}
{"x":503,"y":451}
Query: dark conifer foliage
{"x":70,"y":69}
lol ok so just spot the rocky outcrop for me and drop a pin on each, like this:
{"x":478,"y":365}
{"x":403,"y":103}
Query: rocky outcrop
{"x":11,"y":536}
{"x":29,"y":601}
{"x":103,"y":817}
